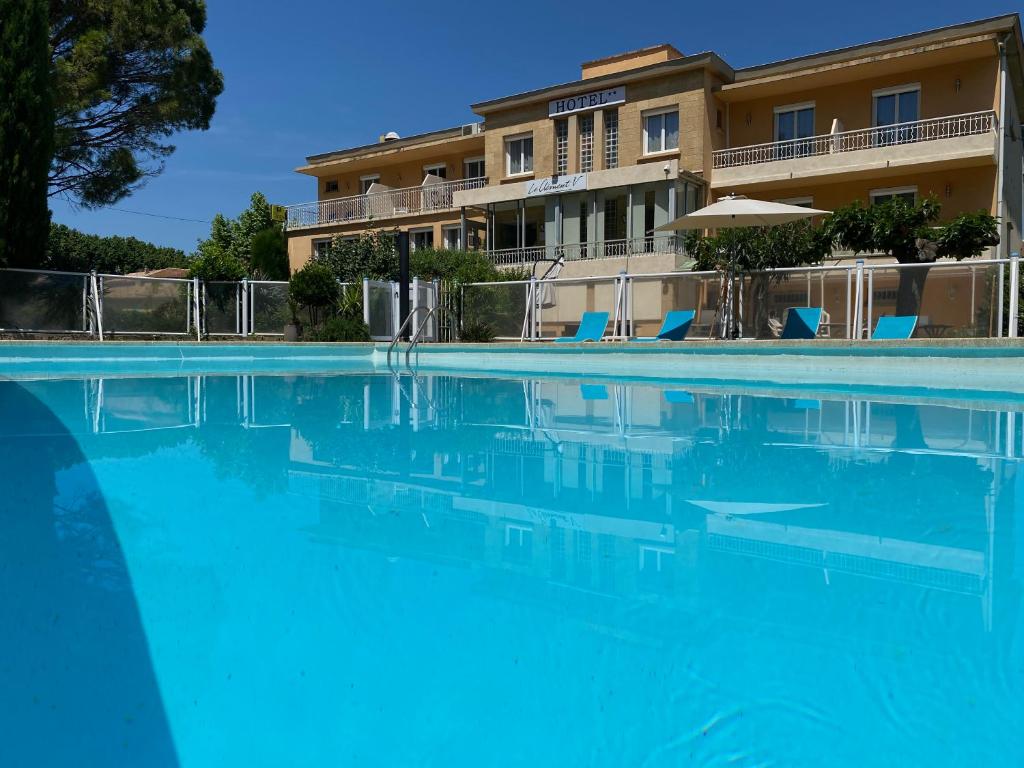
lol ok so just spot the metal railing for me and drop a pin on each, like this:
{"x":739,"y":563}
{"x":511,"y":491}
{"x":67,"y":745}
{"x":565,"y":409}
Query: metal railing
{"x":101,"y":305}
{"x":426,"y":198}
{"x":976,"y":298}
{"x":932,"y":129}
{"x":651,"y":245}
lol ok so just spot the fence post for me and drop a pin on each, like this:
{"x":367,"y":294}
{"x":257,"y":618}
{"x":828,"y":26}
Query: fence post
{"x":97,"y":302}
{"x":871,"y":301}
{"x":195,"y":308}
{"x":617,"y":317}
{"x":534,"y":304}
{"x":1014,"y":293}
{"x":858,"y":323}
{"x":244,"y":309}
{"x":366,"y":301}
{"x":849,"y":299}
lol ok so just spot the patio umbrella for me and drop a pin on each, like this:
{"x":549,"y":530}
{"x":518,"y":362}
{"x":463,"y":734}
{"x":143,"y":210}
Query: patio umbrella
{"x":739,"y":211}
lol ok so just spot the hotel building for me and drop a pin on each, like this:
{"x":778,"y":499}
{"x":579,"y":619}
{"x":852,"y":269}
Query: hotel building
{"x":582,"y":173}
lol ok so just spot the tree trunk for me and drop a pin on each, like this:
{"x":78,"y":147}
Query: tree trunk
{"x":911,"y":290}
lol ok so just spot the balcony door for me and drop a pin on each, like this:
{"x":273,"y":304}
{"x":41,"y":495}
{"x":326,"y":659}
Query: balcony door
{"x":793,"y":124}
{"x":896,"y":114}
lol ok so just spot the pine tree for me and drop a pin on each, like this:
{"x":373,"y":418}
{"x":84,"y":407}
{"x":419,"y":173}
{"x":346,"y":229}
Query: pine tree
{"x":26,"y":130}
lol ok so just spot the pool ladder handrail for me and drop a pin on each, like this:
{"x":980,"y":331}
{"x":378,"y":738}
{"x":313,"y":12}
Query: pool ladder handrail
{"x":416,"y":337}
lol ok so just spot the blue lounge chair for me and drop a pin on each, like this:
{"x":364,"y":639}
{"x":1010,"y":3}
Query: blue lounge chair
{"x":592,"y":326}
{"x":895,"y":327}
{"x":676,"y":326}
{"x":678,"y":396}
{"x":593,"y":392}
{"x":802,"y":323}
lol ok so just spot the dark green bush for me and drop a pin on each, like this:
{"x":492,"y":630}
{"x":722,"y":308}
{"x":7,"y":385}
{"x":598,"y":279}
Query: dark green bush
{"x":340,"y":328}
{"x":315,"y":288}
{"x":478,"y":332}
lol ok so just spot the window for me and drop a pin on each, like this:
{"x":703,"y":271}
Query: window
{"x":437,"y":169}
{"x":519,"y":154}
{"x":452,"y":237}
{"x":586,"y":129}
{"x":365,"y":182}
{"x":897,"y":107}
{"x":330,"y":186}
{"x":473,"y":168}
{"x":803,"y":202}
{"x":421,"y":238}
{"x":615,"y":216}
{"x":884,"y":195}
{"x":518,"y":543}
{"x":561,"y":146}
{"x":320,"y":248}
{"x":792,"y":123}
{"x":611,"y":138}
{"x":661,"y":131}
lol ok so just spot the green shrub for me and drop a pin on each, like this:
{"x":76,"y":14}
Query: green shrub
{"x":340,"y":329}
{"x":477,"y":332}
{"x":315,"y":288}
{"x":214,"y":263}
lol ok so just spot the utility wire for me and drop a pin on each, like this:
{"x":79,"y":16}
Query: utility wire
{"x":161,"y":216}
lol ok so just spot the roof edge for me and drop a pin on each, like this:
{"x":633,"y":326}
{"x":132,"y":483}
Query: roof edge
{"x":692,"y":61}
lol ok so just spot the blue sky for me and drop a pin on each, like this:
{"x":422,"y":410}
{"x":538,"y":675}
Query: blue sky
{"x":316,"y":75}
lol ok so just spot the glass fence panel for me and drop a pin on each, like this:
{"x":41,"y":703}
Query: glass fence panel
{"x":380,"y":301}
{"x":38,"y":301}
{"x":502,"y":306}
{"x":221,"y":309}
{"x":767,"y":297}
{"x":561,"y":304}
{"x":651,"y":298}
{"x":270,"y":312}
{"x":137,"y":305}
{"x":951,"y":300}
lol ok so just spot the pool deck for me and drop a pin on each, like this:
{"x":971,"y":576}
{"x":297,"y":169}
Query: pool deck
{"x":946,"y":364}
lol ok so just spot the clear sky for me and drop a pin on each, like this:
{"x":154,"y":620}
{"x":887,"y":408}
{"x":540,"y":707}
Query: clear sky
{"x":310,"y":76}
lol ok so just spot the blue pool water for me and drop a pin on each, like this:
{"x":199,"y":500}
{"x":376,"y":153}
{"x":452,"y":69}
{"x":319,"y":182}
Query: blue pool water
{"x":353,"y":569}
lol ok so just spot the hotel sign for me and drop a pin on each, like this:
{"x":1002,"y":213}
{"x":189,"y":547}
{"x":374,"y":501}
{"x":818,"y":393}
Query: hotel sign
{"x":586,"y":102}
{"x":556,"y":185}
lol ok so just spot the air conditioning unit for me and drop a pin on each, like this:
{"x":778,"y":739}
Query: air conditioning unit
{"x":472,"y":129}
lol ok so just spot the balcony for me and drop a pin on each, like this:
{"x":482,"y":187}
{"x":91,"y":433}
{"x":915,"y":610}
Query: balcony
{"x":957,"y":140}
{"x":388,"y":204}
{"x":660,"y":245}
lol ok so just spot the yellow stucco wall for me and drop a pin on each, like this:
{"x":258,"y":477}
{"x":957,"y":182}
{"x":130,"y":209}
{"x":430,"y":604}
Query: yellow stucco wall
{"x":395,"y":173}
{"x":685,"y":90}
{"x":969,"y":189}
{"x":752,"y":121}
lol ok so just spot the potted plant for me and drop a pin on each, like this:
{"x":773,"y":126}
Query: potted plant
{"x":293,"y":330}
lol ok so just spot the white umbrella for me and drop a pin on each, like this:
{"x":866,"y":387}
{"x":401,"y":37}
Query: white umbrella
{"x":739,"y":211}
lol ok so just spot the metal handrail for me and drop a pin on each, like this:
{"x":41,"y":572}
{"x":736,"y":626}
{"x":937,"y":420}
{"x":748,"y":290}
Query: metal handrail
{"x":401,"y":329}
{"x":417,"y":337}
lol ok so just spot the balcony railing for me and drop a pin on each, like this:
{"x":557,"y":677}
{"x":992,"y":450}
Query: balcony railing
{"x":427,"y":198}
{"x":865,"y":138}
{"x":608,"y":249}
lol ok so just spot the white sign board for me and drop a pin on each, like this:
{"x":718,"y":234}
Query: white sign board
{"x":556,"y":185}
{"x":587,"y":102}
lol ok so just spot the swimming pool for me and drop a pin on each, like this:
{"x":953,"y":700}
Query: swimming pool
{"x":353,"y":568}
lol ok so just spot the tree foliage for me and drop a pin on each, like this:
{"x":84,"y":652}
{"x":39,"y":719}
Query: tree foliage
{"x":908,"y":232}
{"x":127,"y":74}
{"x":73,"y":251}
{"x":315,"y":288}
{"x":269,"y":255}
{"x":233,"y":239}
{"x":211,"y":262}
{"x":26,"y":131}
{"x":372,"y":254}
{"x":748,"y":249}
